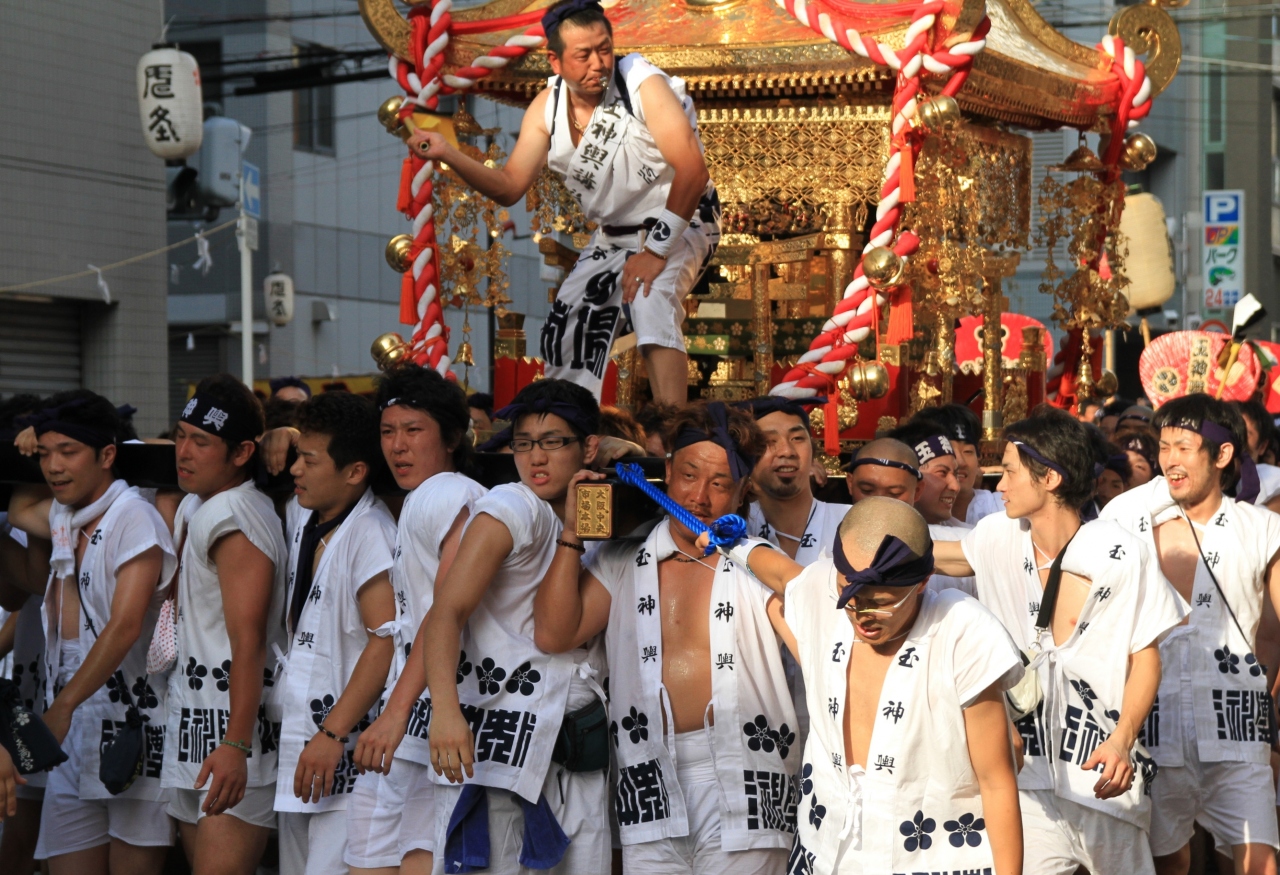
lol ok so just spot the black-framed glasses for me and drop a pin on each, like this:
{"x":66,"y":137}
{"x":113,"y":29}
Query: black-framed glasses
{"x":554,"y":442}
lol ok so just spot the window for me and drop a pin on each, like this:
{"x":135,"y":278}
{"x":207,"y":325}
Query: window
{"x":313,"y":105}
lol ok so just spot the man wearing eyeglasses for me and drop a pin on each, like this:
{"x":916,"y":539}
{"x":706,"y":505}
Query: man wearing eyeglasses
{"x":694,"y":668}
{"x":518,"y":734}
{"x":1084,"y":784}
{"x":908,"y":766}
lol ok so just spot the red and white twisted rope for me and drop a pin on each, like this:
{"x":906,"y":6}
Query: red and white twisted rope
{"x":423,"y":80}
{"x":925,"y":51}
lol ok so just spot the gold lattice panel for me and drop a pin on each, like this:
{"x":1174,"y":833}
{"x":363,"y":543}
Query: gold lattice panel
{"x":796,"y":154}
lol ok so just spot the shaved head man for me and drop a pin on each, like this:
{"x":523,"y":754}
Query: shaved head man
{"x":885,"y":467}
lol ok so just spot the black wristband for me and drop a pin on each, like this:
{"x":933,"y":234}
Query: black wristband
{"x":563,"y":543}
{"x":341,"y":739}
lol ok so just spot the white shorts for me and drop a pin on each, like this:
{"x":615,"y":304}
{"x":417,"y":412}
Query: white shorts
{"x":257,"y":808}
{"x":699,"y":853}
{"x":313,"y":843}
{"x":1059,"y":835}
{"x":579,"y":803}
{"x":1233,"y":801}
{"x":69,"y":823}
{"x":373,"y":819}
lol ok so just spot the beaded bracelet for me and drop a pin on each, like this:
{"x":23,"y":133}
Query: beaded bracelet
{"x":341,"y":739}
{"x":572,"y":546}
{"x":238,"y":745}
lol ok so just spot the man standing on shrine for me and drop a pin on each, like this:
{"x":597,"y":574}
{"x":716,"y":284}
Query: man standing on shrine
{"x":623,"y":136}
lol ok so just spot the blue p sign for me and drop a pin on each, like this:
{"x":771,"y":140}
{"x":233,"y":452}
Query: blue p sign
{"x":1222,"y":207}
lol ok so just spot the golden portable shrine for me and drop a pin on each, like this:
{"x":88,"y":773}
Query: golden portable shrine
{"x":875,"y":189}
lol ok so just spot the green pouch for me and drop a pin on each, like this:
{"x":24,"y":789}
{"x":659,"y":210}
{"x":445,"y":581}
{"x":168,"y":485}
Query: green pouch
{"x":583,"y":742}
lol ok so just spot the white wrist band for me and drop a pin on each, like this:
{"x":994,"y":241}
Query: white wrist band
{"x":665,"y":232}
{"x":739,"y":552}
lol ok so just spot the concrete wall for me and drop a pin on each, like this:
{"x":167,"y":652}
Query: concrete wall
{"x":78,"y":185}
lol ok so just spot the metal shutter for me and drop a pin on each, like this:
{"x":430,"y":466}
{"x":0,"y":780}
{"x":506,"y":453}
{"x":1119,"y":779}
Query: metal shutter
{"x":39,"y":347}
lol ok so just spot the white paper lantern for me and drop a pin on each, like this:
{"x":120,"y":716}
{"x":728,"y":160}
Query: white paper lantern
{"x":170,"y":102}
{"x":1149,"y":263}
{"x":278,"y":289}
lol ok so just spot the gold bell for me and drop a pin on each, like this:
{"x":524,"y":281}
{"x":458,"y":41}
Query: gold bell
{"x":868,"y":380}
{"x":465,"y":356}
{"x":398,"y":248}
{"x":389,"y":351}
{"x":941,"y":114}
{"x":883,"y":268}
{"x":1082,"y":160}
{"x":1107,"y":385}
{"x":1085,"y":387}
{"x":1138,"y":152}
{"x":388,"y":114}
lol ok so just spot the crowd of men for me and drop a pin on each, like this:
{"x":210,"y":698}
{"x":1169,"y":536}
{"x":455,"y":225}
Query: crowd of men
{"x":397,"y":669}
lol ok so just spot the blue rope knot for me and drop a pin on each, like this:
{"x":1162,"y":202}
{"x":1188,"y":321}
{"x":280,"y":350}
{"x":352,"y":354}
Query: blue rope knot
{"x":725,"y":532}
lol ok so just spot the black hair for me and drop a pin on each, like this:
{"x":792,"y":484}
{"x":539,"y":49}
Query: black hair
{"x":278,"y":413}
{"x":234,"y":394}
{"x":1262,"y":420}
{"x":654,"y":416}
{"x":481,"y":401}
{"x":584,"y":18}
{"x":616,"y":422}
{"x":1059,"y":436}
{"x":1118,"y":461}
{"x":1116,"y":407}
{"x":743,"y":429}
{"x":445,"y":402}
{"x":93,"y":412}
{"x":278,"y":383}
{"x":564,"y":392}
{"x":957,"y":422}
{"x":350,"y":421}
{"x":1190,"y":411}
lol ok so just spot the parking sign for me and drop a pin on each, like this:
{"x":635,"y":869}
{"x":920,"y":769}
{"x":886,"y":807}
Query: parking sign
{"x":1223,"y":251}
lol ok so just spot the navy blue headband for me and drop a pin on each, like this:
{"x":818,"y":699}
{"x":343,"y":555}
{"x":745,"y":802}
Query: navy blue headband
{"x":884,"y":463}
{"x":570,"y":413}
{"x":48,"y":420}
{"x":230,"y":420}
{"x":1035,"y":455}
{"x":559,"y":12}
{"x":740,"y":464}
{"x":932,"y":447}
{"x":894,"y":565}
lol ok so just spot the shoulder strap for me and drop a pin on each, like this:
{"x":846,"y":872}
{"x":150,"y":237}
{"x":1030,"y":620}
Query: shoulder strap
{"x":1049,"y":600}
{"x":622,"y":90}
{"x":555,"y":109}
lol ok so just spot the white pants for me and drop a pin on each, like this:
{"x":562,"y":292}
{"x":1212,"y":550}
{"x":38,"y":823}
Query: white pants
{"x":313,"y":843}
{"x":699,"y":852}
{"x":69,"y":824}
{"x":373,"y":819}
{"x":580,"y":805}
{"x":1059,"y":835}
{"x":1234,"y":801}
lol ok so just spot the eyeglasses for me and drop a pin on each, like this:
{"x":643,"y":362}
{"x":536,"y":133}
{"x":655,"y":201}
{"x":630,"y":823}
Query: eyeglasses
{"x":555,"y":442}
{"x":881,"y":610}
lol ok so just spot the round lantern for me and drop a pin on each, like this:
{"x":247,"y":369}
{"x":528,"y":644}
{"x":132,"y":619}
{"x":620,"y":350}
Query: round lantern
{"x":1149,"y":262}
{"x":278,"y":290}
{"x":170,"y":102}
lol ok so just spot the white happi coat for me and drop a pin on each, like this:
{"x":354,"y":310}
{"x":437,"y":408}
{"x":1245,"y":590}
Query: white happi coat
{"x":199,"y":699}
{"x":818,"y":535}
{"x":753,"y":740}
{"x":129,"y":528}
{"x":1208,"y":667}
{"x":512,"y":694}
{"x":425,"y":519}
{"x":953,"y":530}
{"x":984,"y":504}
{"x":920,"y":804}
{"x":619,"y":177}
{"x":1130,"y":606}
{"x":328,"y":641}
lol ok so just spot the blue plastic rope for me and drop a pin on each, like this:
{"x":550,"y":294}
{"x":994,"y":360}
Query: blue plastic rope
{"x":725,"y":532}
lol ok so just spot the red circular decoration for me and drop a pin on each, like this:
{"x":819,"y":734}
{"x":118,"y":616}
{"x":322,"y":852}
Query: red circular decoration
{"x":1185,"y":362}
{"x":969,"y":339}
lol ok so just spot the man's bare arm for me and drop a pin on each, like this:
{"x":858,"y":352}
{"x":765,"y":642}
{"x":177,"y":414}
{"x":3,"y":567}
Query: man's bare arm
{"x":1113,"y":754}
{"x":986,"y":727}
{"x":766,"y":563}
{"x":676,"y":140}
{"x":136,"y":583}
{"x":949,"y":560}
{"x":29,"y":509}
{"x":246,"y":577}
{"x":15,"y":581}
{"x":322,"y":754}
{"x":505,"y":184}
{"x":484,"y":548}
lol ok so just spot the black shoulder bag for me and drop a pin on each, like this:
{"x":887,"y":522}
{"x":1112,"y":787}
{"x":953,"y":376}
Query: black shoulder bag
{"x":1025,"y":696}
{"x":24,"y":735}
